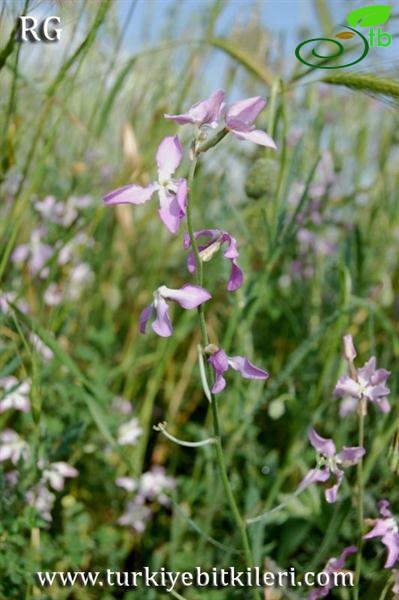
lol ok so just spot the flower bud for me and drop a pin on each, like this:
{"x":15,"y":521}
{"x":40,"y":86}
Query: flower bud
{"x":349,"y":348}
{"x":211,"y":349}
{"x":262,"y":178}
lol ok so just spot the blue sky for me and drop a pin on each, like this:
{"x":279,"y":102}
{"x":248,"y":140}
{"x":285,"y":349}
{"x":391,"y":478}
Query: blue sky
{"x":279,"y":16}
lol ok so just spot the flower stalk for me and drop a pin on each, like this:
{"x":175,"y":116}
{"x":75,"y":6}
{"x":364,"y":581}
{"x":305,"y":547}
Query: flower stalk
{"x":240,"y":523}
{"x":360,"y":484}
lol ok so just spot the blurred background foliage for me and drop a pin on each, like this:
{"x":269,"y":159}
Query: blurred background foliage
{"x":317,"y":225}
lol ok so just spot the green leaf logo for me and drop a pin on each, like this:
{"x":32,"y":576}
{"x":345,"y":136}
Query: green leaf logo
{"x":369,"y":16}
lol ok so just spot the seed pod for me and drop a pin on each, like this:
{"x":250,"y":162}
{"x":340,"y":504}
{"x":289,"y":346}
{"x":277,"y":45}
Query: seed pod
{"x":262,"y":178}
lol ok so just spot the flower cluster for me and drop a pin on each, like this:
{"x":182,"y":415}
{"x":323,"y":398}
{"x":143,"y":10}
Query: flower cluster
{"x":367,"y":383}
{"x":41,"y":252}
{"x":15,"y":450}
{"x":149,"y":488}
{"x":238,"y":119}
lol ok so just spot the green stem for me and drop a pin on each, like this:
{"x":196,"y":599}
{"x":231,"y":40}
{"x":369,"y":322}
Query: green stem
{"x":360,"y":483}
{"x":240,"y":523}
{"x":212,"y":142}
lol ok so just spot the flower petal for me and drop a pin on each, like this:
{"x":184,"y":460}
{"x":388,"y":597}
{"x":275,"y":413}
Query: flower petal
{"x":169,"y":155}
{"x":338,"y":563}
{"x":219,"y":361}
{"x":231,"y":251}
{"x":384,"y":508}
{"x":219,"y":384}
{"x":256,"y":136}
{"x":375,"y":392}
{"x":246,"y":368}
{"x":346,"y":386}
{"x":170,"y":211}
{"x":381,"y":528}
{"x":314,"y":476}
{"x":332,"y":492}
{"x":351,"y":456}
{"x":204,"y":112}
{"x":188,"y":296}
{"x":162,"y":324}
{"x":348,"y":406}
{"x":367,"y":371}
{"x":130,"y":194}
{"x":391,"y":541}
{"x":181,"y":196}
{"x":379,"y":376}
{"x":236,"y":277}
{"x":321,"y":445}
{"x":220,"y":364}
{"x":246,"y":110}
{"x":145,"y":315}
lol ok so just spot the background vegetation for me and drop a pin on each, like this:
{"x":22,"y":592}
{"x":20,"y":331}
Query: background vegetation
{"x":80,"y":121}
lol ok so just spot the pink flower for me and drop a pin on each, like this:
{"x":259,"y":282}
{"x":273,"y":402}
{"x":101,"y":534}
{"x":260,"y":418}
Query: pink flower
{"x":42,"y":500}
{"x":135,"y":516}
{"x":55,"y":474}
{"x":371,"y":383}
{"x":240,"y":118}
{"x":329,"y":464}
{"x":188,"y":296}
{"x":334,"y":565}
{"x":202,"y":113}
{"x":172,"y":193}
{"x":36,"y":253}
{"x":221,"y":363}
{"x":207,"y":249}
{"x":16,"y":394}
{"x":387,"y":529}
{"x":129,"y":432}
{"x":12,"y":447}
{"x":153,"y":484}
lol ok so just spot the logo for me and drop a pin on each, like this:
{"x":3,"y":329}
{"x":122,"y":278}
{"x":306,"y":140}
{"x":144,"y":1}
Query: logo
{"x":30,"y":29}
{"x":366,"y":17}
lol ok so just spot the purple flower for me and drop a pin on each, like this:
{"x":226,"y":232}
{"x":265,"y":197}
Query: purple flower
{"x":172,"y":192}
{"x":205,"y":112}
{"x":387,"y":529}
{"x":370,"y":383}
{"x":329,"y":463}
{"x":221,"y":363}
{"x":206,"y":251}
{"x":188,"y":296}
{"x":240,"y":117}
{"x":334,"y":565}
